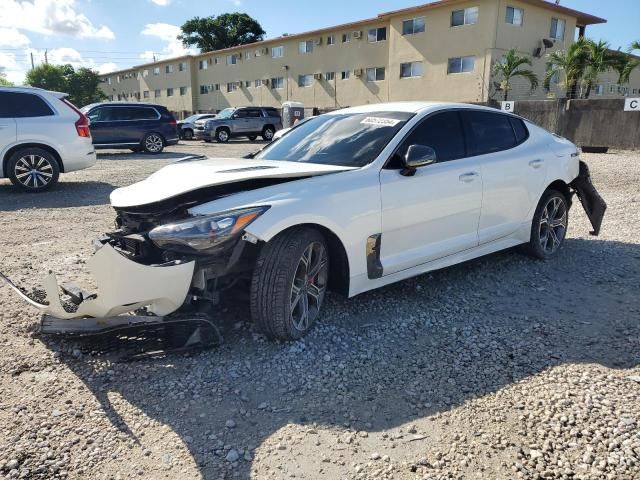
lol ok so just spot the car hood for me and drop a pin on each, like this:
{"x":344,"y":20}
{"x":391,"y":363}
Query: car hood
{"x":189,"y":175}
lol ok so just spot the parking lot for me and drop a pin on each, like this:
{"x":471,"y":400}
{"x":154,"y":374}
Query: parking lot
{"x":502,"y":367}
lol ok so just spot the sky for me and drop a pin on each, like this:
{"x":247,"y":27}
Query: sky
{"x":113,"y":34}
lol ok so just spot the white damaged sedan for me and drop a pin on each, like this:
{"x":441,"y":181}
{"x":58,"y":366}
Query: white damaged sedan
{"x":349,"y":201}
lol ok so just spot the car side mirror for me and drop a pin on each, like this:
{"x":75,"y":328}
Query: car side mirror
{"x":417,"y":156}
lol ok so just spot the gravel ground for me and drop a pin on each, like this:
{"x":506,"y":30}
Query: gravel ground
{"x":499,"y":368}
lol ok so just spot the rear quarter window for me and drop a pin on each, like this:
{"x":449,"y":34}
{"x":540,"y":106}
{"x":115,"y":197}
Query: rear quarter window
{"x":488,"y":132}
{"x":519,"y":129}
{"x":271,"y":112}
{"x":28,"y":105}
{"x":143,"y":113}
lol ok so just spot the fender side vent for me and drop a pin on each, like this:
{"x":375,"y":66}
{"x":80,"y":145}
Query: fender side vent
{"x":374,"y":266}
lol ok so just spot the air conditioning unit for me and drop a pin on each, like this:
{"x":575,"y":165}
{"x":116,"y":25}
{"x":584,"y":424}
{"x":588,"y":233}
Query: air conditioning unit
{"x":356,"y":34}
{"x":317,"y":76}
{"x":358,"y":72}
{"x":265,"y":82}
{"x":542,"y":47}
{"x":318,"y":41}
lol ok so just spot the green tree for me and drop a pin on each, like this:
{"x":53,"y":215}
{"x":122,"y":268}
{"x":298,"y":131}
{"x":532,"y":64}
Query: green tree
{"x":3,"y":80}
{"x":83,"y":85}
{"x":570,"y":64}
{"x":224,"y":31}
{"x":599,"y":60}
{"x":510,"y":67}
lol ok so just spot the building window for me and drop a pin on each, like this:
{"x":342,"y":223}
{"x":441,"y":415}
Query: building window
{"x":182,"y":66}
{"x":331,"y":40}
{"x":145,"y":73}
{"x":232,"y":86}
{"x":168,"y":69}
{"x":183,"y":91}
{"x":413,"y":69}
{"x":514,"y":15}
{"x":258,"y":53}
{"x":600,"y":90}
{"x":247,"y":55}
{"x":461,"y":65}
{"x":216,"y":87}
{"x":232,"y":59}
{"x":257,"y":83}
{"x":305,"y":80}
{"x":202,"y":64}
{"x":204,"y":89}
{"x":375,"y":74}
{"x":169,"y":92}
{"x":156,"y":93}
{"x":156,"y":71}
{"x":247,"y":84}
{"x":305,"y":47}
{"x":346,"y":37}
{"x":277,"y":82}
{"x":557,"y":28}
{"x":277,"y":52}
{"x":413,"y":26}
{"x":145,"y":94}
{"x":468,"y":16}
{"x":377,"y":34}
{"x":330,"y":76}
{"x":117,"y":78}
{"x":109,"y":80}
{"x":345,"y":74}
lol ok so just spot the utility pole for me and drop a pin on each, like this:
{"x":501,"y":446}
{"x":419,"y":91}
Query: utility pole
{"x":46,"y":59}
{"x":32,"y":64}
{"x":154,"y":57}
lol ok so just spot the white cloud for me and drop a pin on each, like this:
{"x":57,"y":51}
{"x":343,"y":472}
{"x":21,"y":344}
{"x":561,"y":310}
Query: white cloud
{"x":167,"y":33}
{"x":10,"y":67}
{"x":11,"y":37}
{"x":162,"y":3}
{"x":50,"y":17}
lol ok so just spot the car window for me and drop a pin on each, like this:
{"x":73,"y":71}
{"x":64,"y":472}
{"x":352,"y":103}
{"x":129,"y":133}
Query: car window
{"x":520,"y":129}
{"x":442,"y":132}
{"x":5,"y":105}
{"x":143,"y":113}
{"x":254,"y":113}
{"x":241,"y":113}
{"x":488,"y":132}
{"x":272,"y":112}
{"x":99,"y":114}
{"x":348,"y":139}
{"x":29,"y":105}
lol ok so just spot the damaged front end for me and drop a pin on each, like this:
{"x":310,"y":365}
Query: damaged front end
{"x":593,"y":204}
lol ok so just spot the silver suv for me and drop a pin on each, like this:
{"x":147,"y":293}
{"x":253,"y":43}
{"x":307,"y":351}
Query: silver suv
{"x":249,"y":122}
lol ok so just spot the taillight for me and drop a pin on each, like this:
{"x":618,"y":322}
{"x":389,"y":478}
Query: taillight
{"x":82,"y":124}
{"x":173,"y":123}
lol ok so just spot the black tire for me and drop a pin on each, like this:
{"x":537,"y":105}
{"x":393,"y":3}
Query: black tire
{"x":136,"y":149}
{"x":268,"y":132}
{"x":33,"y":169}
{"x":153,"y":143}
{"x":274,"y":308}
{"x":223,"y":135}
{"x":252,"y":137}
{"x":187,"y":134}
{"x":546,"y":241}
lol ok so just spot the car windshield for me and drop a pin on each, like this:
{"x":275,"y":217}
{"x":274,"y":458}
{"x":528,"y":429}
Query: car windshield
{"x":226,"y":113}
{"x":192,"y":118}
{"x":350,"y":139}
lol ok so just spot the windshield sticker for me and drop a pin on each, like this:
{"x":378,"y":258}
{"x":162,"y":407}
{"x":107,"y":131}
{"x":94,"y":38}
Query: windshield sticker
{"x":382,"y":122}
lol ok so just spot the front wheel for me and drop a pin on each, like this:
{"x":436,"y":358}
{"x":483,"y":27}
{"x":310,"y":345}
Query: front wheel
{"x":268,"y":133}
{"x":33,"y":169}
{"x":222,"y":135}
{"x":549,"y":226}
{"x":153,"y":143}
{"x":289,"y":283}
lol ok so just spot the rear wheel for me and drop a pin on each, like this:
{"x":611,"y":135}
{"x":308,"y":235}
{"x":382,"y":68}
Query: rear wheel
{"x":222,"y":135}
{"x":153,"y":143}
{"x":268,"y":132}
{"x":549,"y":226}
{"x":33,"y":169}
{"x":289,"y":283}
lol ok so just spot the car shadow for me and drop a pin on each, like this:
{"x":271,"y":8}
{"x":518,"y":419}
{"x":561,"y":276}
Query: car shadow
{"x":411,"y":350}
{"x":62,"y":195}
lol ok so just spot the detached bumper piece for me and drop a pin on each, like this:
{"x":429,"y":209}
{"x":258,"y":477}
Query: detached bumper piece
{"x":593,"y":204}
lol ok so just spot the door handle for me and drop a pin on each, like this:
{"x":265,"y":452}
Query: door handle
{"x":468,"y":177}
{"x":536,"y":163}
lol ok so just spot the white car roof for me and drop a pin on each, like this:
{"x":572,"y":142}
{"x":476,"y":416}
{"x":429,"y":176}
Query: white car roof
{"x":34,"y":89}
{"x":410,"y":107}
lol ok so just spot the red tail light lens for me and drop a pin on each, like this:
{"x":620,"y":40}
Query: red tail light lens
{"x":173,"y":123}
{"x":82,"y":124}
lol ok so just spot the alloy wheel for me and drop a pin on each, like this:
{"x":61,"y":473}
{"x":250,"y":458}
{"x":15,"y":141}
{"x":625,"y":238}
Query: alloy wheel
{"x":33,"y":171}
{"x":268,"y":134}
{"x":223,"y":135}
{"x":309,"y":286}
{"x":553,"y":225}
{"x":153,"y":143}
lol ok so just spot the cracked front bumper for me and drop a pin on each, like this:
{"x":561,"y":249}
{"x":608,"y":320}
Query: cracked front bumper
{"x":122,"y":286}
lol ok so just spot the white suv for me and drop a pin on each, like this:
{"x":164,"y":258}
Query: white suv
{"x":41,"y":135}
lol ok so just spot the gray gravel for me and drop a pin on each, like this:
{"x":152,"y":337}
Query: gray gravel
{"x":500,"y":368}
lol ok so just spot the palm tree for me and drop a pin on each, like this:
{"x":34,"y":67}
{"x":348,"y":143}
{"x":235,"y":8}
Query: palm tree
{"x":599,"y":60}
{"x":571,"y":64}
{"x":509,"y":68}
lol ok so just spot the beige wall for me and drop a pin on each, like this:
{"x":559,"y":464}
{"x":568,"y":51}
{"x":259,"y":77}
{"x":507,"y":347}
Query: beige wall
{"x":487,"y":41}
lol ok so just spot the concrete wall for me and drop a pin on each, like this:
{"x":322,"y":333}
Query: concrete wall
{"x":586,"y":122}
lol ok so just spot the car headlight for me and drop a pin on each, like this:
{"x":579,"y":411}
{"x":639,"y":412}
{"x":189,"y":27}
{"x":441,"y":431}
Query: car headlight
{"x":202,"y":234}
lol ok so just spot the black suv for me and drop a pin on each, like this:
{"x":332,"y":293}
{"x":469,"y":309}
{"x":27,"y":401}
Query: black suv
{"x":137,"y":126}
{"x":248,"y":122}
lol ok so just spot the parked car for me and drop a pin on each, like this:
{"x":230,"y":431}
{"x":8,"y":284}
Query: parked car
{"x":351,"y":200}
{"x":136,"y":126}
{"x":249,"y":122}
{"x":42,"y":134}
{"x":187,"y":126}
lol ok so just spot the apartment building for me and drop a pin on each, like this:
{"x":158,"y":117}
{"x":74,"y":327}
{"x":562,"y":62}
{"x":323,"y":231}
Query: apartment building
{"x":442,"y":50}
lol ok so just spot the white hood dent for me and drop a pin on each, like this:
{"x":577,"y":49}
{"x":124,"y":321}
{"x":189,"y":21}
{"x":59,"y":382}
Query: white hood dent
{"x":183,"y":177}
